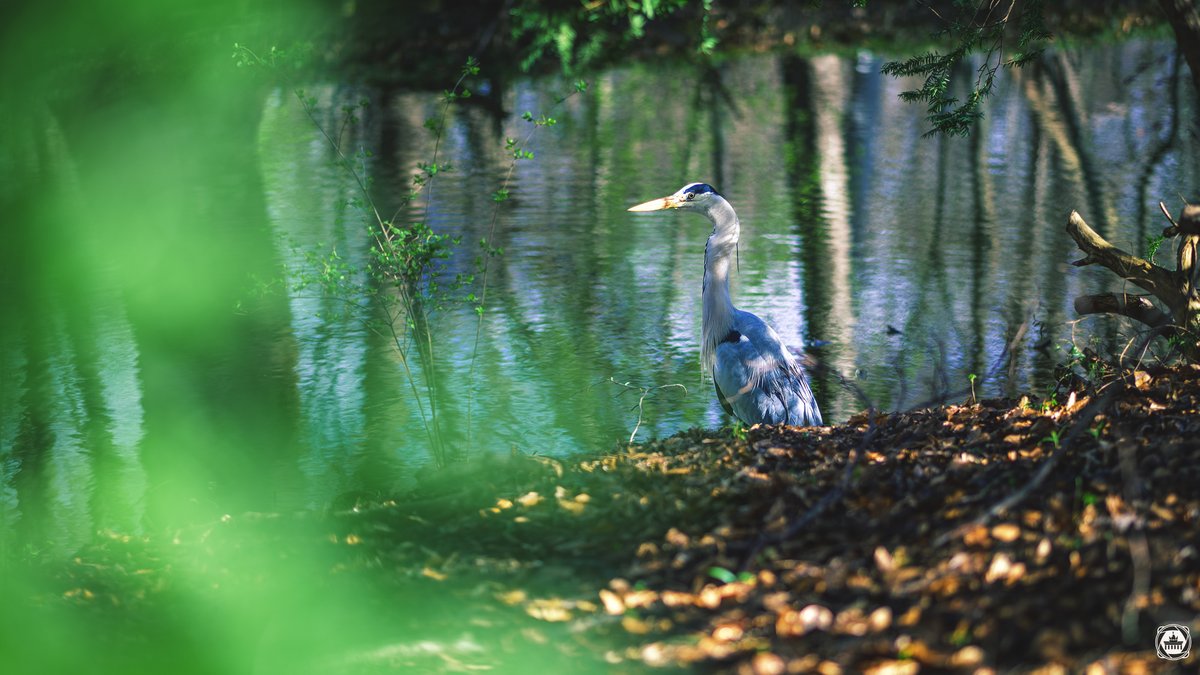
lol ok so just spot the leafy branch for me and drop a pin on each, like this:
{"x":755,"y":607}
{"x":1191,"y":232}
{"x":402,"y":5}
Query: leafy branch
{"x":580,"y":34}
{"x":518,"y":152}
{"x":406,"y":260}
{"x":983,"y":28}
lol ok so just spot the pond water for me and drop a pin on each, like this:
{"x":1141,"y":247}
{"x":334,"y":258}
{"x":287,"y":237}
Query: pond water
{"x":905,"y":263}
{"x":161,"y":364}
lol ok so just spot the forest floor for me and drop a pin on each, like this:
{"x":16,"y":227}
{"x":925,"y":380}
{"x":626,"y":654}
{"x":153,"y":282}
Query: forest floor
{"x":997,"y":535}
{"x":1001,"y":534}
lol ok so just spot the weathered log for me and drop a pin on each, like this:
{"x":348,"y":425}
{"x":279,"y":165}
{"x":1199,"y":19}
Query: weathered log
{"x":1137,"y":307}
{"x":1157,"y":280}
{"x":1177,"y":290}
{"x":1189,"y":220}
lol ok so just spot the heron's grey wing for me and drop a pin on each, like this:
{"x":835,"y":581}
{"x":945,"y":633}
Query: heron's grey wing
{"x":770,"y":383}
{"x":722,"y":400}
{"x":803,"y":409}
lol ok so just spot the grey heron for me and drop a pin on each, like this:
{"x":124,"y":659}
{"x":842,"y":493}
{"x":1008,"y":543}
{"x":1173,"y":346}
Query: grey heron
{"x":757,"y":378}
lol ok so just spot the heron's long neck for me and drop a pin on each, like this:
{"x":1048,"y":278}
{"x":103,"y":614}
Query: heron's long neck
{"x":717,"y":316}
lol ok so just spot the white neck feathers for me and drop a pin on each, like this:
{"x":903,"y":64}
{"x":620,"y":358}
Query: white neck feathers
{"x":719,"y":252}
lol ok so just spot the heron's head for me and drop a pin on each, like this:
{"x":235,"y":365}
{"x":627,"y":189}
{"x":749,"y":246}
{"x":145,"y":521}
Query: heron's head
{"x":691,"y":197}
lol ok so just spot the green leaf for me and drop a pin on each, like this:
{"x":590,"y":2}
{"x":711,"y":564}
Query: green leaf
{"x":721,"y":574}
{"x":1153,"y":243}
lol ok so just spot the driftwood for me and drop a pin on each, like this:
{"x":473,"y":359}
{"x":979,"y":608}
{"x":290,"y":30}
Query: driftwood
{"x":1177,"y":312}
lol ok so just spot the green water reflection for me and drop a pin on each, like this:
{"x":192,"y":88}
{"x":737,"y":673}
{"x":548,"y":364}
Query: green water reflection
{"x":150,"y":383}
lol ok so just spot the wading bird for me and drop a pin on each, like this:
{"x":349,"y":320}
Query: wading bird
{"x":758,"y":379}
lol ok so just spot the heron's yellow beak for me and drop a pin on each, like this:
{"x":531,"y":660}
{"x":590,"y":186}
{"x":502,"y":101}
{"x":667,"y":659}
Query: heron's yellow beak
{"x":656,"y":204}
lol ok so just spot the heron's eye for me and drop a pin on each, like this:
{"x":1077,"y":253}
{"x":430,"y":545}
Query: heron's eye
{"x":691,"y":196}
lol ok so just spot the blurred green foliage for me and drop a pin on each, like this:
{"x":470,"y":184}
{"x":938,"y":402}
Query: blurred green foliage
{"x":577,"y":34}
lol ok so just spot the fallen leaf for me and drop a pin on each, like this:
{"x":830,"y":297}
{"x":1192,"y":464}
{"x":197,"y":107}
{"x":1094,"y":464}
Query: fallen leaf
{"x":612,"y":602}
{"x":1006,"y":532}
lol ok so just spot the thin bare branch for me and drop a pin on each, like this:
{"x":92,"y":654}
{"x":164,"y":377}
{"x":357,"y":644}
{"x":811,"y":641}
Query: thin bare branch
{"x":645,"y":392}
{"x":1173,"y":230}
{"x":486,"y":269}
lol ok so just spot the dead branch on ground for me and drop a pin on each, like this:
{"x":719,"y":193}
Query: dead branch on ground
{"x":1178,"y":307}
